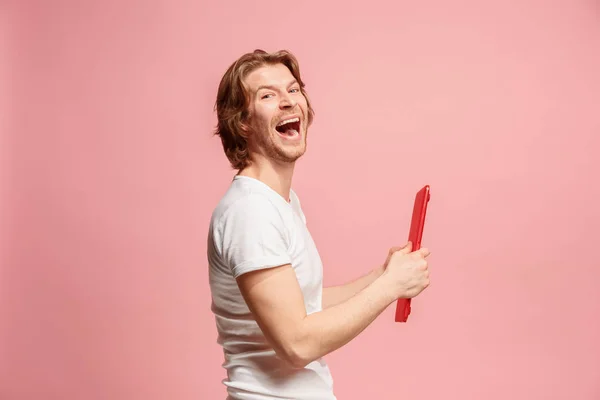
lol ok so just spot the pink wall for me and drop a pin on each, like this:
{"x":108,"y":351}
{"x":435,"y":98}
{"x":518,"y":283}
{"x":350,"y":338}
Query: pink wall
{"x":114,"y":173}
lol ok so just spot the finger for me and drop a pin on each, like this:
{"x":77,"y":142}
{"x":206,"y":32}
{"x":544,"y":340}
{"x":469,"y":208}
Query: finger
{"x":424,"y":251}
{"x":407,"y":248}
{"x":404,"y":246}
{"x":395,"y":249}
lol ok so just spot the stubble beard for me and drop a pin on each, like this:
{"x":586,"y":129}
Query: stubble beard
{"x":273,"y":148}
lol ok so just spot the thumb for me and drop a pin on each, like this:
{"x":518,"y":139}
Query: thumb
{"x":407,"y":248}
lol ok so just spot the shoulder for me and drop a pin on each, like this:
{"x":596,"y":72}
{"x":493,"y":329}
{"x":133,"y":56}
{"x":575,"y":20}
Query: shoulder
{"x":249,"y":218}
{"x":250,"y":233}
{"x":247,"y":197}
{"x":251,"y":206}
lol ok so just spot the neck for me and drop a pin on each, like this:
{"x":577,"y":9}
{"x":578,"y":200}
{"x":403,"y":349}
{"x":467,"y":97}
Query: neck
{"x":277,"y":175}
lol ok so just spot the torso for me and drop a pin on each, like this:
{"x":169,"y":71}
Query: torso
{"x":254,"y":370}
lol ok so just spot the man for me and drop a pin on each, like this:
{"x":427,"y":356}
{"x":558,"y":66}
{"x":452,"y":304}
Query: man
{"x":275,"y":321}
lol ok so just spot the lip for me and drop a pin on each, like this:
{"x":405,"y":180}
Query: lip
{"x":290,"y":117}
{"x":287,"y":138}
{"x":300,"y":123}
{"x":294,"y":139}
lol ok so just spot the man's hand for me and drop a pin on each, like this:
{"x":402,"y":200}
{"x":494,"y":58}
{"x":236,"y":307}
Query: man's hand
{"x":390,"y":254}
{"x":333,"y":295}
{"x":407,"y":272}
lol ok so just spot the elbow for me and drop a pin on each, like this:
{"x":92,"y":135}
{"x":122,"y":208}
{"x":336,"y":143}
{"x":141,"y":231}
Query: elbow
{"x":296,"y":360}
{"x":296,"y":355}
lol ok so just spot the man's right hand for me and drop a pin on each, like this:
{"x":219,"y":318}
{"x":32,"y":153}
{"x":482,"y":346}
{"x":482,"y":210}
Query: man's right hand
{"x":406,"y":271}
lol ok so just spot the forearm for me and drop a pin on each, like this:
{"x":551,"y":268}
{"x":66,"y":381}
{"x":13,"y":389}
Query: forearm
{"x":334,"y":295}
{"x":323,"y":332}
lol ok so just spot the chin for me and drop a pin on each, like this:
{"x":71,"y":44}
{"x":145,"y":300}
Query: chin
{"x":289,"y":155}
{"x":292,"y":157}
{"x":286,"y":149}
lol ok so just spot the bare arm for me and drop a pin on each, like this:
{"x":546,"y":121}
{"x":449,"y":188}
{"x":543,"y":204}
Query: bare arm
{"x":337,"y":294}
{"x":333,"y":295}
{"x":274,"y":297}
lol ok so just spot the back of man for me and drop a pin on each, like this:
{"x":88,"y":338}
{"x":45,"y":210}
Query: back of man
{"x":253,"y":227}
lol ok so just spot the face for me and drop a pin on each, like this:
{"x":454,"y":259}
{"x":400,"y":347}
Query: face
{"x":278,"y":121}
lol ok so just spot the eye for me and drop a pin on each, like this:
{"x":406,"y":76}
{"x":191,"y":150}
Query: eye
{"x":267,"y":96}
{"x":294,"y":90}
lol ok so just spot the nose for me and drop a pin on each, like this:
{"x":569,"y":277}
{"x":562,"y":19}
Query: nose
{"x":287,"y":101}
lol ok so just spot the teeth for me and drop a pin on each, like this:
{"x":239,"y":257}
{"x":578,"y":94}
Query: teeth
{"x":287,"y":121}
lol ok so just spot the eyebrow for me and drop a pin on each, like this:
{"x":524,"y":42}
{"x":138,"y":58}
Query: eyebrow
{"x":272,"y":87}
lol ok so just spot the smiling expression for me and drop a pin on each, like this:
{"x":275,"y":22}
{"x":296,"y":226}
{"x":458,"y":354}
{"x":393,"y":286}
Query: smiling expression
{"x":278,"y":113}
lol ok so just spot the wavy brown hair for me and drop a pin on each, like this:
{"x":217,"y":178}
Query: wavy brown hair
{"x":233,"y":101}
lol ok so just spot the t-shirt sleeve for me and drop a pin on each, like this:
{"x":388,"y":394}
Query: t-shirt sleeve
{"x":253,"y":236}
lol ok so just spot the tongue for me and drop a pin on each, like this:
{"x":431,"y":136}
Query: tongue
{"x":291,"y":132}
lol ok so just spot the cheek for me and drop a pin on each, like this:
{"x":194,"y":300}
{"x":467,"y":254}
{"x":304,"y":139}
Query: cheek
{"x":262,"y":119}
{"x":266,"y":114}
{"x":303,"y":103}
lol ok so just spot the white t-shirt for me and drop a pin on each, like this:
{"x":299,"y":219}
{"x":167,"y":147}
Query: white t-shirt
{"x":252,"y":228}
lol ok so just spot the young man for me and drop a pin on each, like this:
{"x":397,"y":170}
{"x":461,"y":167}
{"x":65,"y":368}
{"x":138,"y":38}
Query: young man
{"x":275,"y":320}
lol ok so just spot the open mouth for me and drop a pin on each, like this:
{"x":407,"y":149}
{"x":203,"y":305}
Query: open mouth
{"x":289,"y":128}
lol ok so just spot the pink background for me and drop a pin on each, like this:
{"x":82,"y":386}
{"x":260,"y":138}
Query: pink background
{"x":111,"y":173}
